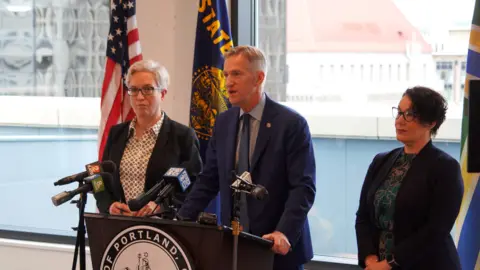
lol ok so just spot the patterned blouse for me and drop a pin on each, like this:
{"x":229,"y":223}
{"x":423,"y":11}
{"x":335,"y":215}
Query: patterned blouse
{"x":133,"y":166}
{"x":384,"y":203}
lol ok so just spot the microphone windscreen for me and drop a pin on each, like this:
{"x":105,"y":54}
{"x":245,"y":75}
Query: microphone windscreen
{"x":260,"y":192}
{"x":178,"y":177}
{"x":109,"y":166}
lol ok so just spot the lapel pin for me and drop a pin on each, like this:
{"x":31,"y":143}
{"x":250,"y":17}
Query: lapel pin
{"x":269,"y":125}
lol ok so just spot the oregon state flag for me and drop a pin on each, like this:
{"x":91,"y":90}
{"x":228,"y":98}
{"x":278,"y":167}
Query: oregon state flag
{"x":468,"y":223}
{"x":209,"y":96}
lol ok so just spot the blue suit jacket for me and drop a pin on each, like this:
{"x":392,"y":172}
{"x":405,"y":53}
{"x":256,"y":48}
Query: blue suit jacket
{"x":283,"y":162}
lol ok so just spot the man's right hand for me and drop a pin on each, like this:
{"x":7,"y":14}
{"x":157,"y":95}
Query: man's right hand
{"x":118,"y":208}
{"x":371,"y":259}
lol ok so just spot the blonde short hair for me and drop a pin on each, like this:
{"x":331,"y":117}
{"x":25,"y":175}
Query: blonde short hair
{"x":253,"y":54}
{"x":162,"y":78}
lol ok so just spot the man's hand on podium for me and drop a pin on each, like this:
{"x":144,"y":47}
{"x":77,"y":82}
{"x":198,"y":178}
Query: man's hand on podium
{"x":281,"y":245}
{"x":148,"y":209}
{"x":382,"y":265}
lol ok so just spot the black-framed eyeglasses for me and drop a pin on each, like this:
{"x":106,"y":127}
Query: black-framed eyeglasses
{"x":408,"y":115}
{"x":146,"y":90}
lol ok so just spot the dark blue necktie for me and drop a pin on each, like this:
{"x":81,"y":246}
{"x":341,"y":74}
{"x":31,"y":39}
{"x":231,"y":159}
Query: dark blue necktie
{"x":243,"y":166}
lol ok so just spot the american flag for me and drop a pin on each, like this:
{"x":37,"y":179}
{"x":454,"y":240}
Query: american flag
{"x":123,"y":49}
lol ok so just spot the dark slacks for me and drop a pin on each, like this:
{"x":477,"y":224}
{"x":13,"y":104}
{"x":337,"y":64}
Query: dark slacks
{"x":300,"y":267}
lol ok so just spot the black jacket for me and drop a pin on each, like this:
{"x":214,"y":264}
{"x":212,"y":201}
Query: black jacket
{"x":176,"y":146}
{"x":426,"y":208}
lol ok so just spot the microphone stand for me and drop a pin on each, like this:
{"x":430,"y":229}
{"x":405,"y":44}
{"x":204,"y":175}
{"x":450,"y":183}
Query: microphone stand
{"x":168,"y":207}
{"x":170,"y":211}
{"x":235,"y":227}
{"x":80,"y":241}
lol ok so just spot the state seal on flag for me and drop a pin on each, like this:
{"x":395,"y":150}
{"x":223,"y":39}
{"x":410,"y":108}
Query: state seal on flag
{"x":209,"y":98}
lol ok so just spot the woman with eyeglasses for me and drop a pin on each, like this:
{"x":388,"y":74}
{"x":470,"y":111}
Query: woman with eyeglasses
{"x":146,"y":147}
{"x":411,"y":195}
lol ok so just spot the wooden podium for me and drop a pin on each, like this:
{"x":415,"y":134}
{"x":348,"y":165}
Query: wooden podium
{"x":131,"y":243}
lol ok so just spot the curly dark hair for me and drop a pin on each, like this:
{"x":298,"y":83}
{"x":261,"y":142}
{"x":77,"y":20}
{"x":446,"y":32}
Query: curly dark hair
{"x":428,"y":106}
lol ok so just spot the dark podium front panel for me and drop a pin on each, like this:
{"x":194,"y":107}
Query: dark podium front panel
{"x":131,"y":243}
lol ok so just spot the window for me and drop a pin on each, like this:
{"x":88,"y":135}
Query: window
{"x":463,"y":74}
{"x":380,"y":73}
{"x":51,"y":63}
{"x":399,"y":72}
{"x":407,"y":72}
{"x":350,"y":119}
{"x":371,"y":73}
{"x":389,"y":72}
{"x":445,"y":71}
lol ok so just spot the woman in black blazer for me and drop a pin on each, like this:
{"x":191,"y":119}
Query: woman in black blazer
{"x":146,"y":147}
{"x":411,"y":195}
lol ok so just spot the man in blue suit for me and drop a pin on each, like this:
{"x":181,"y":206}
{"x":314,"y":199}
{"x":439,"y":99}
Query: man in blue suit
{"x":273,"y":143}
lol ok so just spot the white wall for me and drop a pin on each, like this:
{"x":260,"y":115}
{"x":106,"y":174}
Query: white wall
{"x":24,"y":255}
{"x":168,"y":37}
{"x":167,"y":30}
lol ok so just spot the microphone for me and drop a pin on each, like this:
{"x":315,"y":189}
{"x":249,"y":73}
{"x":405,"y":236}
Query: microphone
{"x":95,"y":183}
{"x":174,"y":178}
{"x":91,"y":169}
{"x":244,"y":184}
{"x":141,"y":200}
